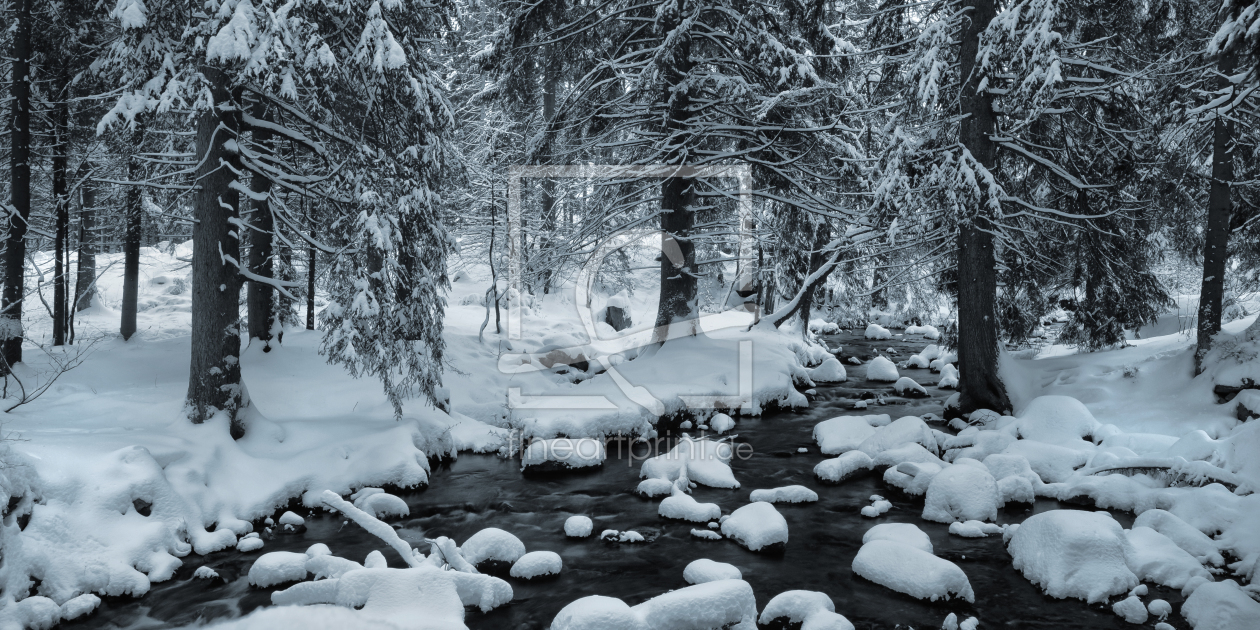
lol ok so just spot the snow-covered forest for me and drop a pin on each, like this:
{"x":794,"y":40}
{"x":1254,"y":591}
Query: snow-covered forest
{"x":630,"y":315}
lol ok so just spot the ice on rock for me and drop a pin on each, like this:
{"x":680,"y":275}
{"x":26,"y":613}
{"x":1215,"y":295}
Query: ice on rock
{"x":962,"y":493}
{"x":912,"y":571}
{"x":1073,"y":553}
{"x":652,"y":488}
{"x":706,"y":462}
{"x":1221,"y":606}
{"x":278,"y":567}
{"x":904,"y":533}
{"x":563,"y":454}
{"x":721,"y":423}
{"x":596,"y":612}
{"x":578,"y":526}
{"x":1060,"y":420}
{"x":684,"y":507}
{"x":877,"y":332}
{"x":906,"y":386}
{"x":796,"y":607}
{"x":756,"y":526}
{"x":492,"y":544}
{"x":831,"y":371}
{"x":1193,"y":541}
{"x":705,"y":606}
{"x":1156,"y":558}
{"x":786,"y":494}
{"x":843,"y":434}
{"x":902,"y":431}
{"x":706,"y":570}
{"x":881,"y":369}
{"x":1159,"y":609}
{"x":536,"y":564}
{"x":974,"y":529}
{"x":1131,"y":610}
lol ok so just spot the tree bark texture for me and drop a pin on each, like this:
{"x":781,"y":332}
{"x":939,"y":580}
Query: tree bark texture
{"x":131,"y":239}
{"x":85,"y":281}
{"x":19,"y":189}
{"x":260,"y":295}
{"x":1216,"y":237}
{"x":61,"y":201}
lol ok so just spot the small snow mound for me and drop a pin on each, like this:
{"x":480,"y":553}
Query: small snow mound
{"x":786,"y":494}
{"x":563,"y":453}
{"x":682,"y":506}
{"x":249,"y":544}
{"x":205,"y":573}
{"x":1073,"y":553}
{"x":652,"y":488}
{"x":962,"y":493}
{"x":706,"y":534}
{"x":278,"y":567}
{"x":492,"y":543}
{"x":928,"y":332}
{"x":831,"y":371}
{"x":881,"y":369}
{"x":902,"y":431}
{"x":877,"y":332}
{"x":756,"y":526}
{"x":1156,"y":558}
{"x":721,"y":423}
{"x":906,"y":386}
{"x":949,"y":377}
{"x":717,"y":604}
{"x":596,"y":612}
{"x":707,"y":462}
{"x":1221,"y":606}
{"x":912,"y":571}
{"x":628,"y":536}
{"x":1060,"y":420}
{"x":974,"y":529}
{"x":1159,"y":609}
{"x":904,"y":533}
{"x":536,"y":564}
{"x":705,"y":570}
{"x":843,"y":467}
{"x":289,"y":518}
{"x":578,"y":526}
{"x":1131,"y":610}
{"x":795,"y":606}
{"x":382,"y":504}
{"x":842,"y":434}
{"x":76,"y":607}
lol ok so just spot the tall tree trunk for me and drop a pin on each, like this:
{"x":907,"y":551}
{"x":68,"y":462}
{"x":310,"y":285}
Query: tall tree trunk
{"x":551,"y":82}
{"x":1216,"y":238}
{"x":677,"y":305}
{"x":61,"y":197}
{"x":980,"y":386}
{"x":214,"y":378}
{"x":131,"y":240}
{"x":84,"y":284}
{"x":259,"y":295}
{"x":19,"y":189}
{"x":819,"y":240}
{"x":310,"y":288}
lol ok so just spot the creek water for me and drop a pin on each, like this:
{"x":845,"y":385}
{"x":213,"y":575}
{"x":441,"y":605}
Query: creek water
{"x":478,"y":491}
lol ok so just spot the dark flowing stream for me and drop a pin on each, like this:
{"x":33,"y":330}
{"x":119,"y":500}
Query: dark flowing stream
{"x":478,"y":491}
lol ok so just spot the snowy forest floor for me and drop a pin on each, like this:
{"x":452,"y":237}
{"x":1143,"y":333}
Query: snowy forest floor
{"x":110,"y":486}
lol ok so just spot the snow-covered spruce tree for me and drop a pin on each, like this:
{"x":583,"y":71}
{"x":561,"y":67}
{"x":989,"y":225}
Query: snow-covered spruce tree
{"x":352,"y":87}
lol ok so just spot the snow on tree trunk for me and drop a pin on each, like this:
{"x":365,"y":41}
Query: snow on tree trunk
{"x":19,"y":187}
{"x":1216,"y":236}
{"x":979,"y":387}
{"x":260,"y":295}
{"x":131,"y":241}
{"x":84,"y":284}
{"x":214,"y":381}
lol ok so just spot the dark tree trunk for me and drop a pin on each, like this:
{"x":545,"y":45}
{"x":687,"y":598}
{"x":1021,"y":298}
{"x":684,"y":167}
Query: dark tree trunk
{"x":260,"y":295}
{"x":61,"y":197}
{"x":214,"y":378}
{"x":980,"y":386}
{"x":1216,"y":238}
{"x":677,"y":304}
{"x":551,"y":82}
{"x":821,"y":236}
{"x":131,"y":240}
{"x":84,"y":284}
{"x":310,"y":288}
{"x":19,"y":188}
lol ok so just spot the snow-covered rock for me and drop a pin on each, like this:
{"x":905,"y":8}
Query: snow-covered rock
{"x":906,"y":386}
{"x":838,"y":469}
{"x":756,"y":526}
{"x":1159,"y":609}
{"x":928,"y":332}
{"x":706,"y":570}
{"x":912,"y":571}
{"x":563,"y":453}
{"x":842,"y":434}
{"x":627,"y":536}
{"x":878,"y":507}
{"x":962,"y":493}
{"x":706,"y":534}
{"x":277,"y":567}
{"x":831,"y":371}
{"x":1072,"y":553}
{"x":1182,"y":534}
{"x":596,"y":612}
{"x":1156,"y":558}
{"x":904,"y":533}
{"x":877,"y":332}
{"x":1131,"y":610}
{"x":578,"y":526}
{"x":949,"y":377}
{"x":707,"y":462}
{"x":810,"y":609}
{"x":536,"y":564}
{"x":786,"y":494}
{"x":684,"y":507}
{"x":974,"y":529}
{"x":205,"y":573}
{"x":249,"y":542}
{"x":904,"y":430}
{"x":1060,"y":420}
{"x":492,"y":544}
{"x":652,"y":488}
{"x":291,"y":521}
{"x":1221,"y":606}
{"x":881,"y":369}
{"x":721,"y":423}
{"x":381,"y":504}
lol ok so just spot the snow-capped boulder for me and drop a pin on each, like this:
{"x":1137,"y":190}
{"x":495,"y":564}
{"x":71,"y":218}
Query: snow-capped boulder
{"x":837,"y":469}
{"x":537,"y":564}
{"x":1156,"y":558}
{"x":682,"y":506}
{"x":906,"y":386}
{"x":718,"y":604}
{"x":949,"y":377}
{"x":912,"y":571}
{"x":492,"y":545}
{"x":1193,"y":541}
{"x":578,"y":526}
{"x":904,"y":430}
{"x":277,"y":567}
{"x":786,"y":494}
{"x":562,"y":454}
{"x":1221,"y":606}
{"x":596,"y":612}
{"x":962,"y":493}
{"x":757,"y":526}
{"x":706,"y":570}
{"x":1131,"y":610}
{"x":877,"y":332}
{"x":1073,"y":553}
{"x":831,"y":371}
{"x":808,"y":609}
{"x":707,"y":463}
{"x":1060,"y":420}
{"x":721,"y":423}
{"x":905,"y":533}
{"x":842,"y":434}
{"x":881,"y":369}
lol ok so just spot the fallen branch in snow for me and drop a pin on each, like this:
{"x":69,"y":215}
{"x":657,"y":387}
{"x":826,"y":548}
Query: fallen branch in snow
{"x":59,"y":367}
{"x":373,"y":525}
